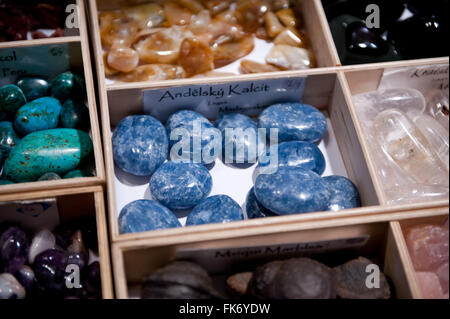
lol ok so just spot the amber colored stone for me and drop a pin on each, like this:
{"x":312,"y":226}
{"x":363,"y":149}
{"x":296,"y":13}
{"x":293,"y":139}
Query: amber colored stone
{"x":250,"y":13}
{"x":153,"y":72}
{"x":194,"y":6}
{"x":273,"y":25}
{"x":292,"y":37}
{"x":248,"y":67}
{"x":229,"y":52}
{"x":237,"y":284}
{"x":195,"y":57}
{"x":177,"y":15}
{"x":288,"y":18}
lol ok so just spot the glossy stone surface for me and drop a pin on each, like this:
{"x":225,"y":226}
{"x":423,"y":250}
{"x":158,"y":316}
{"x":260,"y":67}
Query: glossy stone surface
{"x":181,"y":185}
{"x":11,"y":98}
{"x":344,"y":194}
{"x":49,"y":177}
{"x":13,"y":249}
{"x":215,"y":209}
{"x":140,"y":145}
{"x":429,"y":285}
{"x":362,"y":40}
{"x":304,"y":155}
{"x":146,"y":215}
{"x":78,"y":174}
{"x":294,"y":121}
{"x":8,"y":137}
{"x":10,"y":288}
{"x":57,"y":150}
{"x":254,"y":209}
{"x":239,"y":138}
{"x":74,"y":114}
{"x":33,"y":88}
{"x":42,"y":241}
{"x":292,"y":191}
{"x":38,"y":115}
{"x":438,"y":107}
{"x":26,"y":277}
{"x":50,"y":270}
{"x":67,"y":85}
{"x":192,"y":138}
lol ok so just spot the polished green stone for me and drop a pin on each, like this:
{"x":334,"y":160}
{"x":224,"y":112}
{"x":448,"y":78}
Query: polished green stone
{"x":33,"y":88}
{"x":11,"y":98}
{"x":5,"y":182}
{"x":49,"y":177}
{"x":78,"y":174}
{"x":68,"y":85}
{"x":8,"y":137}
{"x":74,"y":114}
{"x":59,"y":151}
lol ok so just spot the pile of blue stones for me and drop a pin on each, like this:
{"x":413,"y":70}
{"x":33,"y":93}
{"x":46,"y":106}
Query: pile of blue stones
{"x":43,"y":130}
{"x":141,"y":147}
{"x":36,"y":265}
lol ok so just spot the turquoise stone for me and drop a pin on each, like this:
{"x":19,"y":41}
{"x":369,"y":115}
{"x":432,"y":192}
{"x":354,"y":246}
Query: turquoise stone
{"x":5,"y":182}
{"x":49,"y":177}
{"x":59,"y":151}
{"x":78,"y":174}
{"x":11,"y":98}
{"x":67,"y":85}
{"x":39,"y":115}
{"x":8,"y":137}
{"x":74,"y":114}
{"x":33,"y":88}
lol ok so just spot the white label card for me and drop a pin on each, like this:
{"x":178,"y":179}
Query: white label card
{"x":248,"y":97}
{"x":44,"y":61}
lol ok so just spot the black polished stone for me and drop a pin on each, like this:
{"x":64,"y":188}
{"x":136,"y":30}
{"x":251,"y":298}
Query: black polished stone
{"x":362,"y":40}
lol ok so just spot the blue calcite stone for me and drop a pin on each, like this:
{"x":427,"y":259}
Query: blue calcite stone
{"x":74,"y":114}
{"x":304,"y":155}
{"x":11,"y":98}
{"x":240,"y":144}
{"x":215,"y":209}
{"x":38,"y":115}
{"x":181,"y":185}
{"x":59,"y":151}
{"x":78,"y":173}
{"x":146,"y":215}
{"x":49,"y":177}
{"x":344,"y":194}
{"x":67,"y":85}
{"x":8,"y":137}
{"x":254,"y":209}
{"x":194,"y":138}
{"x":294,"y":121}
{"x":33,"y":88}
{"x":140,"y":145}
{"x":292,"y":190}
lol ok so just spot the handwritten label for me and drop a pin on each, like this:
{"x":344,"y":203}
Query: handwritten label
{"x":248,"y":97}
{"x":44,"y":61}
{"x":221,"y":260}
{"x":32,"y":215}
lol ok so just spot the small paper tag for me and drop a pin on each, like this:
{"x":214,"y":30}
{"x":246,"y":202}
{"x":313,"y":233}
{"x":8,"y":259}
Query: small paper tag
{"x":219,"y":260}
{"x":31,"y":215}
{"x":45,"y":61}
{"x":248,"y":97}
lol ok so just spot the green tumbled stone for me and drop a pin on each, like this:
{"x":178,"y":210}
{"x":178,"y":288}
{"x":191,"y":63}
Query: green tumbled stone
{"x":49,"y":177}
{"x":67,"y":85}
{"x":8,"y":137}
{"x":74,"y":114}
{"x":78,"y":174}
{"x":11,"y":98}
{"x":5,"y":182}
{"x":59,"y":151}
{"x":33,"y":88}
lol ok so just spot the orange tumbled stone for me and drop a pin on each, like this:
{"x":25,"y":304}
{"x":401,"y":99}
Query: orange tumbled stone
{"x":195,"y":57}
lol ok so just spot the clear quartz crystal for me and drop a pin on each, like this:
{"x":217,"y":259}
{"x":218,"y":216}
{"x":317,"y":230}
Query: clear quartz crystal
{"x":438,"y":107}
{"x":408,"y":148}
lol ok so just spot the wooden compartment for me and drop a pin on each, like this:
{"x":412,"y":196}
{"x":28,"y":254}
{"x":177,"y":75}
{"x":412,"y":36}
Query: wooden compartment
{"x":373,"y":237}
{"x":65,"y":206}
{"x":49,"y":57}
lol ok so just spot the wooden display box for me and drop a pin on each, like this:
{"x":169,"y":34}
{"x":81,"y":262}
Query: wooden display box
{"x":48,"y":57}
{"x":70,"y":205}
{"x":378,"y":240}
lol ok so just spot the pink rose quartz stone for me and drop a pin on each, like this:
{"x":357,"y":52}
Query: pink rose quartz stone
{"x":442,"y":274}
{"x":429,"y":285}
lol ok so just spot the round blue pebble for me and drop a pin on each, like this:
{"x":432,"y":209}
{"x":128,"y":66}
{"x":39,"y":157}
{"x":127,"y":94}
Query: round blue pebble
{"x":294,"y":121}
{"x":254,"y":209}
{"x":215,"y":209}
{"x":292,"y":190}
{"x":344,"y":194}
{"x":181,"y":185}
{"x":146,"y":215}
{"x":140,"y":145}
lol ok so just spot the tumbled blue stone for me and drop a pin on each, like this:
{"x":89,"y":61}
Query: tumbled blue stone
{"x":181,"y":185}
{"x":74,"y":114}
{"x":215,"y":209}
{"x":11,"y":98}
{"x":49,"y":177}
{"x":38,"y":115}
{"x":59,"y":151}
{"x":68,"y":85}
{"x":146,"y":215}
{"x":14,"y":248}
{"x":254,"y":209}
{"x":344,"y":194}
{"x":8,"y":137}
{"x":294,"y":121}
{"x":239,"y":138}
{"x":192,"y":138}
{"x":304,"y":155}
{"x":33,"y":88}
{"x":140,"y":145}
{"x":292,"y":190}
{"x":78,"y":173}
